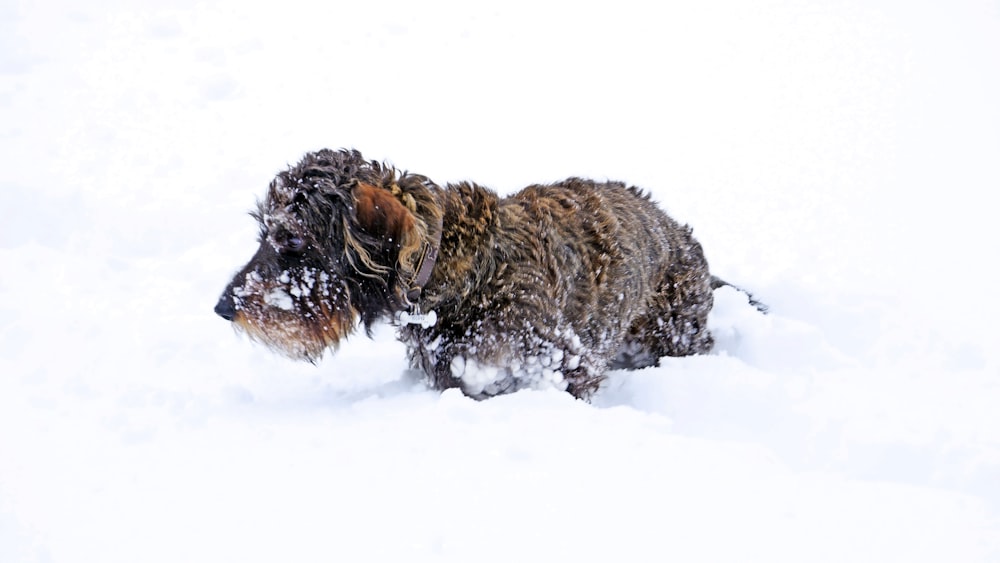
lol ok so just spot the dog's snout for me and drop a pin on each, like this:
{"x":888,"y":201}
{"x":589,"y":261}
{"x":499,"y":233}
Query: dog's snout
{"x":225,"y":308}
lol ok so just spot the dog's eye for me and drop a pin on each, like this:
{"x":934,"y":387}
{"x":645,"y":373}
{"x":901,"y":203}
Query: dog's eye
{"x":293,"y":244}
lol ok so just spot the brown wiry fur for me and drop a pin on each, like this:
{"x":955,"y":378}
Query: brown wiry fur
{"x":551,"y":286}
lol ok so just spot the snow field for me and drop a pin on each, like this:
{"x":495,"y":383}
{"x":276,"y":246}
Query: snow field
{"x":835,"y":158}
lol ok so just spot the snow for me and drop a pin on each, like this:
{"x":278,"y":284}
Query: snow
{"x":836,"y":158}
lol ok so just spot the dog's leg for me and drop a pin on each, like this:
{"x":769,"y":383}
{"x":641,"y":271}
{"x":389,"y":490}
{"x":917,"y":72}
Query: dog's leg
{"x":675,"y":323}
{"x":503,"y":355}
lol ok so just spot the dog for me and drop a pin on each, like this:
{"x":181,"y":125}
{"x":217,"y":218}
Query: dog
{"x":550,"y":287}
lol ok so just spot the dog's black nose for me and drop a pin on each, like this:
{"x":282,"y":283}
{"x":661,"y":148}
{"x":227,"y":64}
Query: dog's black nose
{"x":225,"y":307}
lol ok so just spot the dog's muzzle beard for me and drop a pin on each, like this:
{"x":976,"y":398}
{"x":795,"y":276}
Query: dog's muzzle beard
{"x":299,"y":324}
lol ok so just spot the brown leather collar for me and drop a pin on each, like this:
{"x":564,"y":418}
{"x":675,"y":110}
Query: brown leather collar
{"x":428,"y":258}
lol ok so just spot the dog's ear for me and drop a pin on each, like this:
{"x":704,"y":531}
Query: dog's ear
{"x":381,"y":214}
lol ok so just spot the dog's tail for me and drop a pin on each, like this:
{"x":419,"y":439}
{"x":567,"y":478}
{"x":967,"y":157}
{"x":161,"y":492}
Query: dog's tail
{"x":718,"y":282}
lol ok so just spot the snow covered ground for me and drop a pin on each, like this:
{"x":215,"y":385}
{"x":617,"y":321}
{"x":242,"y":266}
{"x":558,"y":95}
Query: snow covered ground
{"x":839,"y":158}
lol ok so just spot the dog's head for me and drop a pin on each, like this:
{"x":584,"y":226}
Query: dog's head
{"x":340,"y":240}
